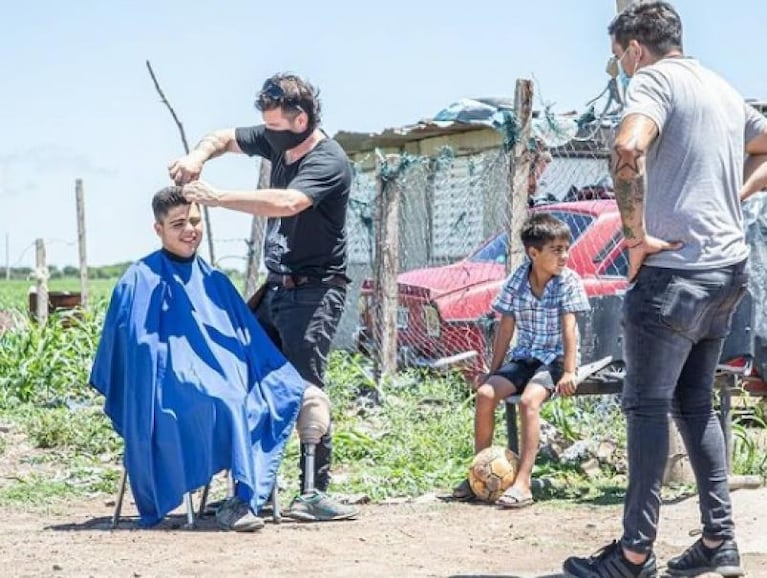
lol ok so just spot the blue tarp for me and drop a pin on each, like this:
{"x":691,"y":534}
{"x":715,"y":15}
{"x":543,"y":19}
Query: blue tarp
{"x":755,"y":213}
{"x":192,"y":384}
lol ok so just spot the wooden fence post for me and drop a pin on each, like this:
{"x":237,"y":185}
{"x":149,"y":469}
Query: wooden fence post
{"x":42,"y":282}
{"x":257,"y":230}
{"x":80,"y":200}
{"x":7,"y":257}
{"x":519,"y":170}
{"x":386,"y":266}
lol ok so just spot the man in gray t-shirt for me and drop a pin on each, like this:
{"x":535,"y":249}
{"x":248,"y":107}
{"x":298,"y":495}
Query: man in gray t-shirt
{"x":685,"y":139}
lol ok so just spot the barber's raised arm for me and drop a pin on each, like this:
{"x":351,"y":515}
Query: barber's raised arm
{"x":189,"y":167}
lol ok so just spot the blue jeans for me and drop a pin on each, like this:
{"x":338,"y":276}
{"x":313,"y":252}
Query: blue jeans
{"x":675,"y":322}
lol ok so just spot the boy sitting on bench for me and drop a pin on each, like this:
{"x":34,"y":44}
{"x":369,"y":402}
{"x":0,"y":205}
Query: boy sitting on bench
{"x":539,"y":300}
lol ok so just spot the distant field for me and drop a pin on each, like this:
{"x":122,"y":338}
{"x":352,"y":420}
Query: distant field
{"x":13,"y":293}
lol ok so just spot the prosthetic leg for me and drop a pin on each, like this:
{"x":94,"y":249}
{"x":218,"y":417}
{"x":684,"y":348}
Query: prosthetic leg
{"x":313,"y":423}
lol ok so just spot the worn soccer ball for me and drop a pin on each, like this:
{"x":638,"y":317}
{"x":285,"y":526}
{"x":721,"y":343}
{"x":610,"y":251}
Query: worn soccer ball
{"x":491,"y":472}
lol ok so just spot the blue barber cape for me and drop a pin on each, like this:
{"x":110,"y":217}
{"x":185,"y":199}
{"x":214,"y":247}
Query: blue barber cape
{"x":192,"y":384}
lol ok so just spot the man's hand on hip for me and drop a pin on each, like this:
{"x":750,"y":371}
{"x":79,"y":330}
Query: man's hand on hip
{"x":647,"y":246}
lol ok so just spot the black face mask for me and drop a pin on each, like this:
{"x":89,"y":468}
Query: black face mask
{"x":284,"y":140}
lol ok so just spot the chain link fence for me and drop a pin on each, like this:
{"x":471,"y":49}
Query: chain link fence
{"x":451,"y":184}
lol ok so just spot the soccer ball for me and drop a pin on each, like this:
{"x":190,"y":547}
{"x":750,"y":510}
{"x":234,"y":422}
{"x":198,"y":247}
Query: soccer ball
{"x":491,"y":472}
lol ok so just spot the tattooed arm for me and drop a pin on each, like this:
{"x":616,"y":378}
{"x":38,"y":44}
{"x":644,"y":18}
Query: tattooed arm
{"x":635,"y":135}
{"x":189,"y":167}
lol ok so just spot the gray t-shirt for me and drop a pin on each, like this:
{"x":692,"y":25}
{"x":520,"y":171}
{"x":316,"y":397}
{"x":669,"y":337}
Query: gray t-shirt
{"x":695,"y":166}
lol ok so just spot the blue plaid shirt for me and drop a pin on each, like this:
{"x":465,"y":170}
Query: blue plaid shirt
{"x":539,"y":321}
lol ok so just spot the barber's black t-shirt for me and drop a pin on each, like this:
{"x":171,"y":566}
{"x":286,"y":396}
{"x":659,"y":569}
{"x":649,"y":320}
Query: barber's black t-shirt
{"x":313,"y":242}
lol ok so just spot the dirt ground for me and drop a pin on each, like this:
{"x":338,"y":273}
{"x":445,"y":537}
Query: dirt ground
{"x":424,"y":537}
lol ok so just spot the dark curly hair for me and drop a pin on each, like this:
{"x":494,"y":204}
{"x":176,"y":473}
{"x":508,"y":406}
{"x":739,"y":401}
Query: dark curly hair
{"x":542,"y":228}
{"x":291,"y":93}
{"x":166,"y":199}
{"x":655,"y":24}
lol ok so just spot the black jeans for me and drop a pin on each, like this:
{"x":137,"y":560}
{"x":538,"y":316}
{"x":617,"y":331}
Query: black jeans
{"x":302,"y":321}
{"x":675,"y":322}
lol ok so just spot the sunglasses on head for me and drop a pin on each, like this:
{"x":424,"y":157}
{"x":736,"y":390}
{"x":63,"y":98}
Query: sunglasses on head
{"x":273,"y":91}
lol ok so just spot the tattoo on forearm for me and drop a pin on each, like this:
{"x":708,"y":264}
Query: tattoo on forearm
{"x":628,"y":182}
{"x":212,"y":145}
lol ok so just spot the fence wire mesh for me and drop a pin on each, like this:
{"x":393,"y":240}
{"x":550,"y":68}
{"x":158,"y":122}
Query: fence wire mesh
{"x":452,"y":238}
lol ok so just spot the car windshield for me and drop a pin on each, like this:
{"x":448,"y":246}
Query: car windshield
{"x":496,"y":249}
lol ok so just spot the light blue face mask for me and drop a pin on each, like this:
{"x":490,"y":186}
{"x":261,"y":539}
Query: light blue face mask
{"x":622,"y":78}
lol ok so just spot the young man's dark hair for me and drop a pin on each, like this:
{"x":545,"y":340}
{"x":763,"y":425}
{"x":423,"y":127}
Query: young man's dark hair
{"x":293,"y":94}
{"x":655,"y":24}
{"x":542,"y":228}
{"x":165,"y":199}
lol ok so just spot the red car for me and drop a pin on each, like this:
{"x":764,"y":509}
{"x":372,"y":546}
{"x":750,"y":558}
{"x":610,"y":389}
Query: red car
{"x":445,"y":314}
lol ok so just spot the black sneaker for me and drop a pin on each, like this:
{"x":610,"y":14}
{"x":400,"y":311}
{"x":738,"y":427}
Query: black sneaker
{"x":609,"y":563}
{"x":697,"y":559}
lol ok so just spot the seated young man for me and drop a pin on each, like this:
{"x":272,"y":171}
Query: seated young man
{"x":191,"y":382}
{"x":538,"y":301}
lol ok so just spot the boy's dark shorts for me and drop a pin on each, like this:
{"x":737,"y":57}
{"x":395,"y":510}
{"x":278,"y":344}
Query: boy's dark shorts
{"x":520,"y":372}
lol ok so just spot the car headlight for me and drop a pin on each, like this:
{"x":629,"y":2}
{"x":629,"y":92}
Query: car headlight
{"x":431,"y":321}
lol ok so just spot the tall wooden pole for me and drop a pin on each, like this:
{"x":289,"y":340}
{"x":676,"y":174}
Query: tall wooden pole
{"x":205,"y":211}
{"x":519,"y":171}
{"x":80,"y":200}
{"x":385,"y":296}
{"x":42,"y":282}
{"x":256,"y":242}
{"x":7,"y":257}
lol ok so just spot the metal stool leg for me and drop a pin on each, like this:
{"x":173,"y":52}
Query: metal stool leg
{"x":189,"y":510}
{"x":119,"y":500}
{"x":203,"y":501}
{"x":276,"y":514}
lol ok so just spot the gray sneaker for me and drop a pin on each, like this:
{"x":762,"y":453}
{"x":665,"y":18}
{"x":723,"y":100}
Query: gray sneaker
{"x":316,"y":506}
{"x":235,"y":515}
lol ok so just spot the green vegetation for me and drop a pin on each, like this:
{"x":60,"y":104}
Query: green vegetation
{"x":14,"y":293}
{"x":411,"y":436}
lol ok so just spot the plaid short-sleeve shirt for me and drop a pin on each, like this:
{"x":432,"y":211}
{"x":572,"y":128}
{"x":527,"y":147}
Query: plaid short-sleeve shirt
{"x":539,"y":321}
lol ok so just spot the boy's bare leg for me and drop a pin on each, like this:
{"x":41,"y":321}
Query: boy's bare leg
{"x":489,"y":395}
{"x":529,"y":417}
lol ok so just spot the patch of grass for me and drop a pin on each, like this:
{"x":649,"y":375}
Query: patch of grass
{"x":36,"y":490}
{"x":411,"y":436}
{"x":82,"y":432}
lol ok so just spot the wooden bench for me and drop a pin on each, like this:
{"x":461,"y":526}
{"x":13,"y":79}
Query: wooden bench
{"x":599,"y":379}
{"x":592,"y":379}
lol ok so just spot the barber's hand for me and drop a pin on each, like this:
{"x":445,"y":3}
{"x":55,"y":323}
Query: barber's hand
{"x":186,"y":169}
{"x":566,"y":384}
{"x":202,"y":193}
{"x":648,"y":246}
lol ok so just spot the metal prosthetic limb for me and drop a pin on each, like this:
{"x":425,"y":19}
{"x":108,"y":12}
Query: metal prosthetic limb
{"x":313,"y":423}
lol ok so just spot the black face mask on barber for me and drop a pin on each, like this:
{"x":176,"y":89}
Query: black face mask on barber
{"x":284,"y":140}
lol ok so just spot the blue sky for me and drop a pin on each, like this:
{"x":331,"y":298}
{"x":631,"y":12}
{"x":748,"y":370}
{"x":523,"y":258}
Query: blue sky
{"x":76,"y":99}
